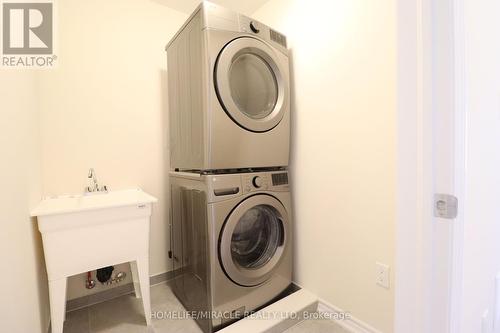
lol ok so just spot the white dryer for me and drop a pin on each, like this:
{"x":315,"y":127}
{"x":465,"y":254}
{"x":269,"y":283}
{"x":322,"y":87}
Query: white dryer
{"x":231,"y":243}
{"x":229,"y":93}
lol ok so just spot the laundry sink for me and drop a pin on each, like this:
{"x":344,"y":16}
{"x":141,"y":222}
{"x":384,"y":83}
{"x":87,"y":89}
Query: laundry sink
{"x":100,"y":200}
{"x":85,"y":232}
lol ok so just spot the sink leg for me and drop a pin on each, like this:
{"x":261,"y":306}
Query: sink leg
{"x":135,"y":279}
{"x":57,"y":296}
{"x":143,"y":273}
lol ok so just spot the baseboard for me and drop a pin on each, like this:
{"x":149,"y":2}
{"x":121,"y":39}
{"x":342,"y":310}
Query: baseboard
{"x":106,"y":295}
{"x":352,"y":324}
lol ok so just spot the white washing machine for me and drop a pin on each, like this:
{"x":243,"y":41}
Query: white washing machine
{"x":231,"y":243}
{"x":229,"y":94}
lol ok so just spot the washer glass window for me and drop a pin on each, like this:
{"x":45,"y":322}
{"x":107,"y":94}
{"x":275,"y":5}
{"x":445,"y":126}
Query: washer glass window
{"x":256,"y":237}
{"x":253,"y":85}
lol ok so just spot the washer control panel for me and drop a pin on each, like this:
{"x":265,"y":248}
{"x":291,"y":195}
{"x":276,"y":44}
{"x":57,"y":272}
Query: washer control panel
{"x":255,"y":182}
{"x":252,"y":182}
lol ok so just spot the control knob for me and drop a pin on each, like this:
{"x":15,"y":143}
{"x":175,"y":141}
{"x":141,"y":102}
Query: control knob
{"x":257,"y":181}
{"x":254,"y":27}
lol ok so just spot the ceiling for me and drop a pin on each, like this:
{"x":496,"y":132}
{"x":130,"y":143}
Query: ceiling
{"x":246,"y":7}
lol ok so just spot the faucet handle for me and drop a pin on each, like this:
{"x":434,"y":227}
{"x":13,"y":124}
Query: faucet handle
{"x":94,"y":184}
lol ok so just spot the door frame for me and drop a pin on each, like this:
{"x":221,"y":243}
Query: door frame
{"x":431,"y":138}
{"x":460,"y":166}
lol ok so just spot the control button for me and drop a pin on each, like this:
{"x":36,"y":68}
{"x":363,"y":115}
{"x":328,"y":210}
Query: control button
{"x":255,"y":28}
{"x":257,"y":181}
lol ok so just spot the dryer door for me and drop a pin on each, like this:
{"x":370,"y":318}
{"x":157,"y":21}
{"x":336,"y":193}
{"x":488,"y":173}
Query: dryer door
{"x":251,"y":84}
{"x":253,"y":240}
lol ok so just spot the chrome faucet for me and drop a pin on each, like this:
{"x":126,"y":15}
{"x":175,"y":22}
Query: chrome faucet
{"x":94,"y":184}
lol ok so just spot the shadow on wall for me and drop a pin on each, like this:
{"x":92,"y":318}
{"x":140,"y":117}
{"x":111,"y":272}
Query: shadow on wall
{"x":187,"y":6}
{"x":293,"y":122}
{"x":166,"y":151}
{"x":184,"y":6}
{"x":42,"y":283}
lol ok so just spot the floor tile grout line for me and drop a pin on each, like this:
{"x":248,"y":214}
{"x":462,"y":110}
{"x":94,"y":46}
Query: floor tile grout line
{"x":88,"y":318}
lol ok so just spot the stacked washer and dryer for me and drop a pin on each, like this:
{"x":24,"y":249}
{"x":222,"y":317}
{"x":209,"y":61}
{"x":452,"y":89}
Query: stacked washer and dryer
{"x":229,"y":114}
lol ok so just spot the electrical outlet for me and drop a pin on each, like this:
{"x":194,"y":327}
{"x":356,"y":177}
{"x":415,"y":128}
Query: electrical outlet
{"x":382,"y":275}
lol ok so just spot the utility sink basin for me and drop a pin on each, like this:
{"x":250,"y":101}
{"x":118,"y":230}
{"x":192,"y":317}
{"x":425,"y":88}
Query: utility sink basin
{"x":90,"y":201}
{"x":85,"y":232}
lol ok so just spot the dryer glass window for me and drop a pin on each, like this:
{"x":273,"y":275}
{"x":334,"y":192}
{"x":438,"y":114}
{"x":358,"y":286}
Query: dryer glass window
{"x":256,"y":237}
{"x":253,"y":85}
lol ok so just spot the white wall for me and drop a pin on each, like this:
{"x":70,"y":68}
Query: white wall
{"x":481,"y":252}
{"x":105,"y":106}
{"x":343,"y":148}
{"x":24,"y":305}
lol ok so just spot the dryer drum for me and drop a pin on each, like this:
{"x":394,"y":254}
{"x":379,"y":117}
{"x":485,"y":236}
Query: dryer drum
{"x":253,"y":85}
{"x":250,"y":85}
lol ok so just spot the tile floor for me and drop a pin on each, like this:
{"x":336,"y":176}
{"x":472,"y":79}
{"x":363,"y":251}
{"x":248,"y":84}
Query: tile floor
{"x":317,"y":326}
{"x":125,"y":315}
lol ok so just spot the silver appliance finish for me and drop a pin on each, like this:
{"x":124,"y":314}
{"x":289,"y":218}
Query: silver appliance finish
{"x":229,"y":94}
{"x":231,"y":242}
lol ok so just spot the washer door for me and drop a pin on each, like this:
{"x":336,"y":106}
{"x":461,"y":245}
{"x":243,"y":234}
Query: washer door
{"x":253,"y":240}
{"x":250,"y":84}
